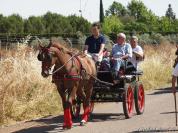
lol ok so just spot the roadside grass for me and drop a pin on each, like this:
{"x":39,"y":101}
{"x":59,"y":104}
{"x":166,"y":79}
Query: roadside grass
{"x":24,"y":93}
{"x":158,"y":66}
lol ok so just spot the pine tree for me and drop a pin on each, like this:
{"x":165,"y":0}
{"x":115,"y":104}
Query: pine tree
{"x":101,"y":12}
{"x":169,"y":13}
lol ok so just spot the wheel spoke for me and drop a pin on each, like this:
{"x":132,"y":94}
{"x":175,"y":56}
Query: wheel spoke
{"x":140,"y":97}
{"x":129,"y":100}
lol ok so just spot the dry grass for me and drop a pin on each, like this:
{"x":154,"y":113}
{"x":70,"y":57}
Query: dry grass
{"x":157,"y":66}
{"x":24,"y":94}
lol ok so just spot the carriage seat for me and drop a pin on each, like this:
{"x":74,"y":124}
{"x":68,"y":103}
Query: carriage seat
{"x":138,"y":72}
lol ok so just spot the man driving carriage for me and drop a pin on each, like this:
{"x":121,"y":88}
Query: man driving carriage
{"x":94,"y":44}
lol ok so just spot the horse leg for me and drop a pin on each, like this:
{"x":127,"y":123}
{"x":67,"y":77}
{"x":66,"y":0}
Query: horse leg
{"x":66,"y":106}
{"x":68,"y":102}
{"x":86,"y":104}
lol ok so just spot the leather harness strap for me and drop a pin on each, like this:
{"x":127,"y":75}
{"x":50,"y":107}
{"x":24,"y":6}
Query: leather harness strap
{"x":70,"y":76}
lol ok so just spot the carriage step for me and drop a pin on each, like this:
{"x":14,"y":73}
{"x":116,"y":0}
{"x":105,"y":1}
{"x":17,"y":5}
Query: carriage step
{"x":101,"y":91}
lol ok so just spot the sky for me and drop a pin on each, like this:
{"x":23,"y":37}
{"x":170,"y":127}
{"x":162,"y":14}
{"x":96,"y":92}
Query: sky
{"x":90,"y":8}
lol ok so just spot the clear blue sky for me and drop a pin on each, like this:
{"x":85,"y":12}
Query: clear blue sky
{"x":90,"y":8}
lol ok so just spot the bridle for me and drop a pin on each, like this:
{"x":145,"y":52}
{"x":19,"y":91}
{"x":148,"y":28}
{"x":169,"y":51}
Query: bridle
{"x":46,"y":51}
{"x":58,"y":69}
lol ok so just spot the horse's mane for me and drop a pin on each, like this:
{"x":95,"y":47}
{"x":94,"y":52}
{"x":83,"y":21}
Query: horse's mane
{"x":64,"y":48}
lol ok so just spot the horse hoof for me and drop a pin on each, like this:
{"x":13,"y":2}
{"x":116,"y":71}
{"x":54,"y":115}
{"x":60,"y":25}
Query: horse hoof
{"x":82,"y":123}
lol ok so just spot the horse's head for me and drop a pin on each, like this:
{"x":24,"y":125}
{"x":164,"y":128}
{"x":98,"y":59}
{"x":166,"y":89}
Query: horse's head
{"x":47,"y":56}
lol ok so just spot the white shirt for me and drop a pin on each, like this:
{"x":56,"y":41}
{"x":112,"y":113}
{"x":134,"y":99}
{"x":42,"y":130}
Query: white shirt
{"x":175,"y":71}
{"x":135,"y":62}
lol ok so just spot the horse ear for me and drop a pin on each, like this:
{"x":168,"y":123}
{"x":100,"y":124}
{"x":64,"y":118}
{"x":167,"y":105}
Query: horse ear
{"x":40,"y":47}
{"x":39,"y":43}
{"x":50,"y":44}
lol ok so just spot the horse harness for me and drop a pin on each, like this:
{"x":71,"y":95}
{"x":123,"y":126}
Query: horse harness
{"x":71,"y":76}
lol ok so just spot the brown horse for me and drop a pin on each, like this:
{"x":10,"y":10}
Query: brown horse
{"x":73,"y":76}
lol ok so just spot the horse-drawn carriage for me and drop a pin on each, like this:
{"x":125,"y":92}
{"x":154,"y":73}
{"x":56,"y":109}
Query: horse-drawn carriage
{"x":128,"y":89}
{"x":75,"y":75}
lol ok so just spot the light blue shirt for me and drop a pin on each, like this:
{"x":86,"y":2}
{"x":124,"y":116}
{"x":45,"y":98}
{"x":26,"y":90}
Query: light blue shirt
{"x":121,"y":50}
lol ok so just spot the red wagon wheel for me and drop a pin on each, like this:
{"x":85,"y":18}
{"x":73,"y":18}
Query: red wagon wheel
{"x":139,"y":98}
{"x":75,"y":108}
{"x":128,"y":101}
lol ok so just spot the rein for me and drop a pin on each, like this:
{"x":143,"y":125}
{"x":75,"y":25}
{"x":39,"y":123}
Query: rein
{"x":64,"y":64}
{"x":94,"y":77}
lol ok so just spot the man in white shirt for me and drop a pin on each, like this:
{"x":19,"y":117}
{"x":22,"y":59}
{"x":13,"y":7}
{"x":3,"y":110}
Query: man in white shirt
{"x":137,"y":52}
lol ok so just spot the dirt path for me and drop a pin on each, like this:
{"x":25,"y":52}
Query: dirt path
{"x":109,"y":118}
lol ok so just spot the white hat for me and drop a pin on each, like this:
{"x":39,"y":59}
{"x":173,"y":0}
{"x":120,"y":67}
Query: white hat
{"x":121,"y":35}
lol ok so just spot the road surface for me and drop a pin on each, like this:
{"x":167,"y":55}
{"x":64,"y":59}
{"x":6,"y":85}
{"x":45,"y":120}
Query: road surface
{"x":159,"y":116}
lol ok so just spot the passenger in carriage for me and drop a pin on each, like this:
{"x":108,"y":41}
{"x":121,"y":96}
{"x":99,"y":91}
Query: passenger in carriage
{"x":175,"y":71}
{"x":137,"y":51}
{"x":120,"y":52}
{"x":94,"y":44}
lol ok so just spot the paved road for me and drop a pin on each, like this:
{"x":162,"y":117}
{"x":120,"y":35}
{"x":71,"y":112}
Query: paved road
{"x":109,"y":118}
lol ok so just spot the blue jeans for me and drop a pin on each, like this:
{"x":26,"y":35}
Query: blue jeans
{"x":117,"y":64}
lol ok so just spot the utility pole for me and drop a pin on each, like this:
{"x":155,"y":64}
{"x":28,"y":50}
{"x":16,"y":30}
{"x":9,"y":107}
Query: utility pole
{"x":80,"y":8}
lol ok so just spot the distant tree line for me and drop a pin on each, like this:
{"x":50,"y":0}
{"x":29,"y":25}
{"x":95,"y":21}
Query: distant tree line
{"x":136,"y":17}
{"x":48,"y":23}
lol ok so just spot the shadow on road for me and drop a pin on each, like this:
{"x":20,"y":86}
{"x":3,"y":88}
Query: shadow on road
{"x":165,"y":113}
{"x":162,"y":91}
{"x":44,"y":125}
{"x":98,"y":117}
{"x":54,"y":124}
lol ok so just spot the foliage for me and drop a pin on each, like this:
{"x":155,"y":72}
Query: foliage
{"x":116,"y":9}
{"x":48,"y":23}
{"x":34,"y":25}
{"x":169,"y":13}
{"x":137,"y":9}
{"x":79,"y":24}
{"x":133,"y":17}
{"x":112,"y":24}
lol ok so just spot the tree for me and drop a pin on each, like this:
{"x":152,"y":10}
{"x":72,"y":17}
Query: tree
{"x":112,"y":24}
{"x":136,"y":26}
{"x":116,"y":9}
{"x":56,"y":23}
{"x":12,"y":24}
{"x":101,"y":12}
{"x":34,"y":25}
{"x":169,"y":13}
{"x":79,"y":24}
{"x":1,"y":23}
{"x":138,"y":10}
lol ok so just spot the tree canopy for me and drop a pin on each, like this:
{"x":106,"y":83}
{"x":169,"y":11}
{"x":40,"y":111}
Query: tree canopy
{"x":133,"y":17}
